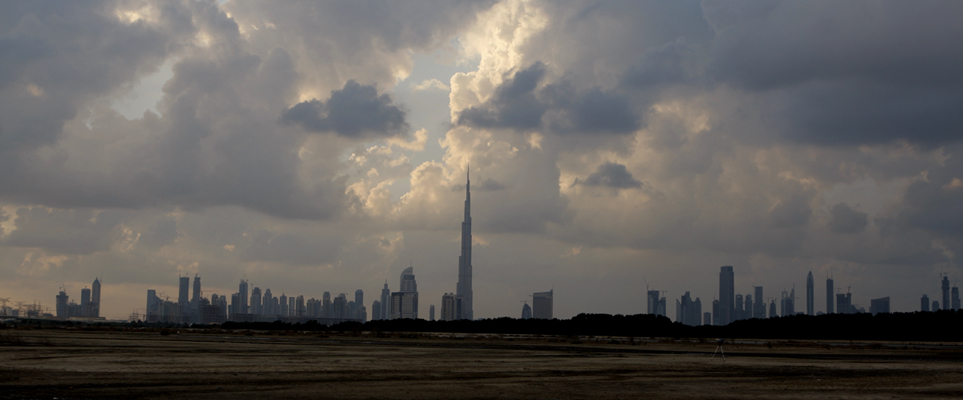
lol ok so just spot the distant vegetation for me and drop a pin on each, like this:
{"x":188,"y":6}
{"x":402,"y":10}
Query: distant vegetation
{"x":919,"y":326}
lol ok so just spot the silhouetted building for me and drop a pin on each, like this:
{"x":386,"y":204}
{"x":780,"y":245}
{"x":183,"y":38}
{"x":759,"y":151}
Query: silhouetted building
{"x":829,"y":296}
{"x":448,"y":307}
{"x":749,"y":307}
{"x":385,"y":301}
{"x":715,"y":312}
{"x":880,"y":305}
{"x":946,"y":293}
{"x":759,"y":308}
{"x":526,"y":311}
{"x":182,"y":293}
{"x":687,"y":311}
{"x":955,"y":298}
{"x":404,"y":305}
{"x":787,"y":303}
{"x":431,"y":312}
{"x":652,"y":307}
{"x":727,"y":295}
{"x":463,"y":292}
{"x":739,"y":310}
{"x":62,"y":299}
{"x":256,"y":301}
{"x":772,"y":308}
{"x":376,"y":309}
{"x":283,"y":305}
{"x":542,"y":305}
{"x":936,"y":305}
{"x":925,"y":303}
{"x":326,"y":311}
{"x":844,"y":304}
{"x":339,"y":307}
{"x":242,"y":297}
{"x":707,"y":318}
{"x":95,"y":298}
{"x":810,"y":294}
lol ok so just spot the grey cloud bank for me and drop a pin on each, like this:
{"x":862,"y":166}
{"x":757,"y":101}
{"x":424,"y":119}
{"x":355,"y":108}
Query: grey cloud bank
{"x":611,"y":141}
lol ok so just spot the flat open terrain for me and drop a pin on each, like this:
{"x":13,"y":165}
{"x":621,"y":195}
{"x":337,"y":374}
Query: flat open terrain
{"x":78,"y":364}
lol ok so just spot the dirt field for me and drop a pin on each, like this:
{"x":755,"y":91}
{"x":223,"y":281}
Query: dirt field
{"x":46,"y":364}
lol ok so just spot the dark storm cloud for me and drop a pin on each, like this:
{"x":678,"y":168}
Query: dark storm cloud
{"x":57,"y":55}
{"x":65,"y":232}
{"x":354,"y":111}
{"x":934,"y":204}
{"x":846,"y":72}
{"x":612,"y":175}
{"x":844,"y":219}
{"x":519,"y":104}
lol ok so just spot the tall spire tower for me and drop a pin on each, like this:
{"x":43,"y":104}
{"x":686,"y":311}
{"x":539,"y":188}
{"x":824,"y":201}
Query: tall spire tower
{"x":463,"y":294}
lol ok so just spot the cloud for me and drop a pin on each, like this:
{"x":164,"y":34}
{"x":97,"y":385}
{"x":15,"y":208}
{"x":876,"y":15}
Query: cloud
{"x":557,"y":107}
{"x":431,"y":84}
{"x":354,"y":111}
{"x":846,"y":220}
{"x":611,"y":175}
{"x":69,"y":232}
{"x":790,"y":213}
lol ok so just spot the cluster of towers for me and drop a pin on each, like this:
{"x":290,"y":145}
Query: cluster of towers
{"x":951,"y":298}
{"x":730,"y":307}
{"x":253,"y":307}
{"x":89,"y":307}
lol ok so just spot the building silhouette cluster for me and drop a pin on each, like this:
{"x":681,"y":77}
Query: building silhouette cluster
{"x":89,"y":307}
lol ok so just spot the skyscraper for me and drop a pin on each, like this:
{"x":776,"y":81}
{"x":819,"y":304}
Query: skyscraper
{"x":727,"y":295}
{"x":810,"y":294}
{"x":880,"y":305}
{"x":463,"y":292}
{"x":95,"y":297}
{"x":925,"y":303}
{"x":182,"y":293}
{"x":385,"y":301}
{"x":542,"y":304}
{"x":653,"y":304}
{"x":404,"y":303}
{"x":431,"y":312}
{"x":256,"y":301}
{"x":955,"y":298}
{"x":448,"y":307}
{"x":526,"y":311}
{"x":759,"y":308}
{"x":829,"y":296}
{"x":196,"y":298}
{"x":242,"y":297}
{"x":946,"y":293}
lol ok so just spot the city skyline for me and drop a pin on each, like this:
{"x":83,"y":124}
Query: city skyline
{"x":306,"y":145}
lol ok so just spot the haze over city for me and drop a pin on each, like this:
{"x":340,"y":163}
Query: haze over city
{"x":613,"y":147}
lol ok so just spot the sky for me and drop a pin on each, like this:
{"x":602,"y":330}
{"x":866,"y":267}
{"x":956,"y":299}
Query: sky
{"x":613,"y":146}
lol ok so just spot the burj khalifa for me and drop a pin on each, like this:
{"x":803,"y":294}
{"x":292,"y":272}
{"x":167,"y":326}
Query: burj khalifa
{"x":463,"y":294}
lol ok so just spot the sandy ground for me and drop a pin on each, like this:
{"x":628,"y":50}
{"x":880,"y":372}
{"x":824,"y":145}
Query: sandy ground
{"x":47,"y":364}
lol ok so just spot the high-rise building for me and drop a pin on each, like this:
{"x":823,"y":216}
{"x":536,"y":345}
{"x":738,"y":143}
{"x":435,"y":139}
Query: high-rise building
{"x":653,"y":304}
{"x":448,"y":307}
{"x":829,"y":296}
{"x":267,"y":303}
{"x":750,"y":307}
{"x":689,"y":312}
{"x":62,"y":304}
{"x":759,"y":308}
{"x":293,"y":306}
{"x":242,"y":297}
{"x":431,"y":312}
{"x":385,"y":301}
{"x":463,"y":292}
{"x":772,"y":308}
{"x":936,"y":305}
{"x":376,"y":310}
{"x":326,"y":305}
{"x":707,"y":318}
{"x":256,"y":301}
{"x":787,"y":303}
{"x":85,"y":298}
{"x":810,"y":294}
{"x":95,"y":298}
{"x":925,"y":303}
{"x":844,"y":304}
{"x":727,"y":295}
{"x":283,"y":305}
{"x":542,"y":304}
{"x":404,"y":305}
{"x":185,"y":286}
{"x":737,"y":312}
{"x":880,"y":305}
{"x":715,"y":312}
{"x":946,"y":293}
{"x":359,"y":297}
{"x":955,"y":298}
{"x":526,"y":311}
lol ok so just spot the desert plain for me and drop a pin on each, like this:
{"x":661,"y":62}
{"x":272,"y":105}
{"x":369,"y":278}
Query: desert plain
{"x":214,"y":364}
